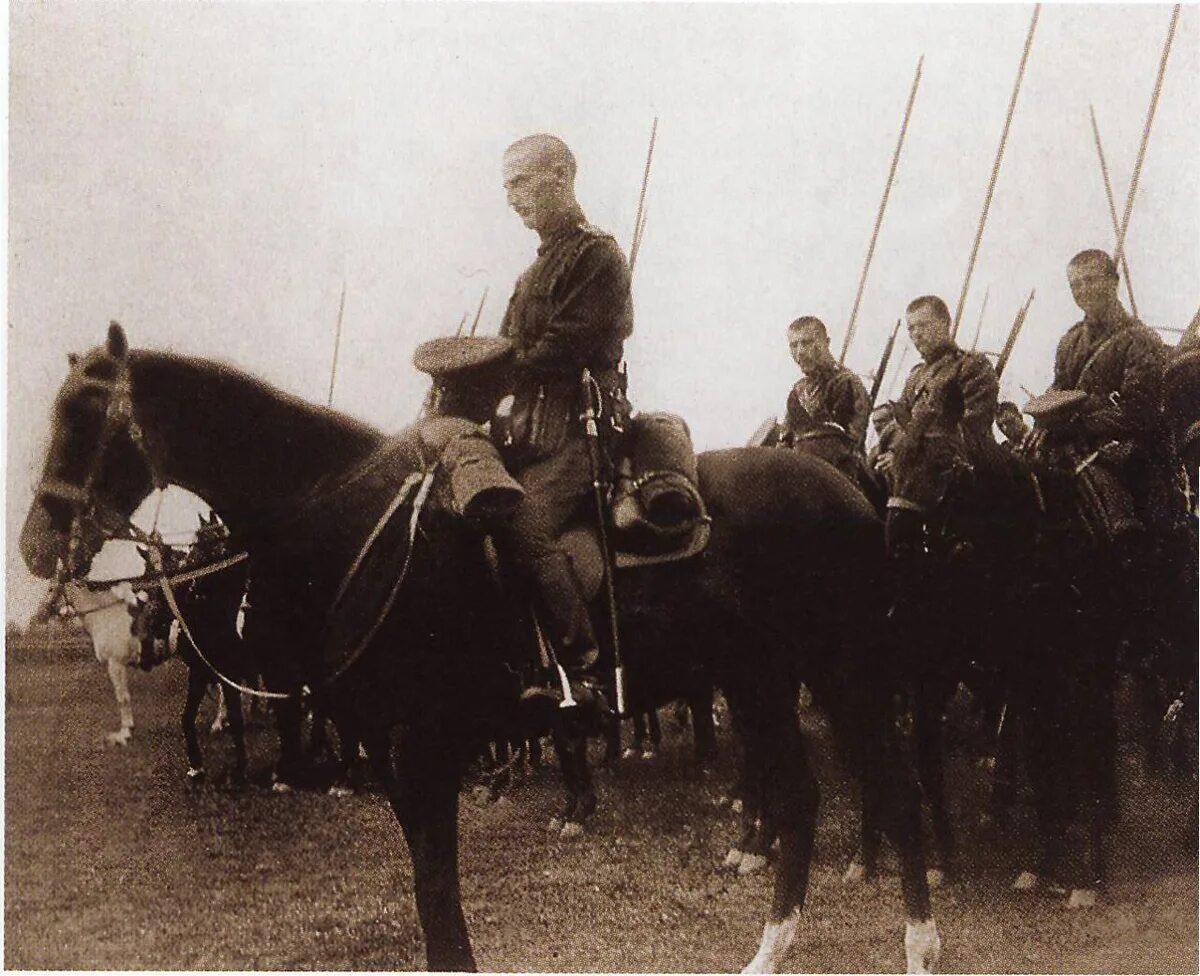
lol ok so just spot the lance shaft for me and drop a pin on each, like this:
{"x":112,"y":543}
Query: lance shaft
{"x":1112,"y":210}
{"x":636,"y":244}
{"x":987,"y":200}
{"x":877,"y":382}
{"x":979,"y":326}
{"x":479,"y":311}
{"x":337,"y":343}
{"x":1141,"y":156}
{"x":1015,"y":331}
{"x":887,"y":191}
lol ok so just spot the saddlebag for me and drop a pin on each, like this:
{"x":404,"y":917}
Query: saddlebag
{"x":477,"y":485}
{"x":656,"y":499}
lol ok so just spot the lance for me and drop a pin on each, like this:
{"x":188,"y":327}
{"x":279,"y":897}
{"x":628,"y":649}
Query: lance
{"x":887,"y":191}
{"x":337,"y":342}
{"x":1141,"y":156}
{"x":899,"y":371}
{"x":479,"y":311}
{"x":1112,"y":209}
{"x":987,"y":200}
{"x":636,"y":243}
{"x":462,"y":324}
{"x":1015,"y":331}
{"x":877,"y":382}
{"x":979,"y":327}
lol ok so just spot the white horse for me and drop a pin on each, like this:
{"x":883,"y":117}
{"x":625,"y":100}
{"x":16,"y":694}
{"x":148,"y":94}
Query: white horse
{"x":108,"y":617}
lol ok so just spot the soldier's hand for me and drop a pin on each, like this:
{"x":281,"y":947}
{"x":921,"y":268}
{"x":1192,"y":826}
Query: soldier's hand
{"x":883,"y":463}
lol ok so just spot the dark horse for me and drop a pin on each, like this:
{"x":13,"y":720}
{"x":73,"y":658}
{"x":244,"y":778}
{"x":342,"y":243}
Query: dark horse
{"x":428,"y":682}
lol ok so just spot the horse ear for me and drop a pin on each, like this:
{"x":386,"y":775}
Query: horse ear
{"x":118,"y":345}
{"x":142,"y":551}
{"x":72,"y":358}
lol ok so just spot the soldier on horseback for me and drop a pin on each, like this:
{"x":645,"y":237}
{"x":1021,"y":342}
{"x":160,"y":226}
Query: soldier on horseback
{"x":943,"y":421}
{"x":829,"y":404}
{"x":570,"y":311}
{"x":1100,"y":417}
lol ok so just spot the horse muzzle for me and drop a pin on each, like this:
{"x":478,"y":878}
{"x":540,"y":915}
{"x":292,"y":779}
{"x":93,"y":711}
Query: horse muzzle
{"x":42,"y":544}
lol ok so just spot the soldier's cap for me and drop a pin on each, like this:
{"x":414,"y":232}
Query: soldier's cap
{"x":453,"y":355}
{"x":1055,"y":405}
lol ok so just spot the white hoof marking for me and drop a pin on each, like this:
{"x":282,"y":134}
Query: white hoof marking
{"x":119,"y":738}
{"x":554,"y":826}
{"x":735,"y":806}
{"x":571,"y":830}
{"x":922,"y":946}
{"x":855,"y":874}
{"x":777,"y":938}
{"x":279,"y":786}
{"x":732,"y":859}
{"x":340,"y":792}
{"x":1026,"y":881}
{"x":629,"y":753}
{"x":751,"y":864}
{"x":1082,"y":898}
{"x":935,"y":877}
{"x":194,"y":773}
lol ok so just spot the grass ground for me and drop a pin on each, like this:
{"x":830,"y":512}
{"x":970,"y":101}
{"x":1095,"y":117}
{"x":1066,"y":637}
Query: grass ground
{"x":111,"y":862}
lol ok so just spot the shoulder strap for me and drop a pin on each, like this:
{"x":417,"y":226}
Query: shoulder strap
{"x":1091,"y":360}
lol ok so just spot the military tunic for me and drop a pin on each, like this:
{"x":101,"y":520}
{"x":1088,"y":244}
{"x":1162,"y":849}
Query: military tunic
{"x":827,"y":414}
{"x":955,"y":392}
{"x":569,"y":310}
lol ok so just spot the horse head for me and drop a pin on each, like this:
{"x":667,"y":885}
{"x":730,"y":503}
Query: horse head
{"x":97,"y":469}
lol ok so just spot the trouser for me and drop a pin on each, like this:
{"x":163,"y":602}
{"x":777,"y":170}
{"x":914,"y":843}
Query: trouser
{"x":554,"y":490}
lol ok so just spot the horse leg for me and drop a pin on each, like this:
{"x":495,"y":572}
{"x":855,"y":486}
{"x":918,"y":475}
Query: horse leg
{"x":571,"y":746}
{"x":220,"y":721}
{"x":120,"y":683}
{"x":197,"y":685}
{"x":930,"y":766}
{"x":288,"y":719}
{"x":704,"y":733}
{"x":655,"y":732}
{"x":791,"y":798}
{"x":422,"y":783}
{"x":237,"y":728}
{"x":1099,"y":780}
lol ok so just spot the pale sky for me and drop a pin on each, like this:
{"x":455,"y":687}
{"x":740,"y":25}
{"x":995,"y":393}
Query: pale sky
{"x":210,"y":174}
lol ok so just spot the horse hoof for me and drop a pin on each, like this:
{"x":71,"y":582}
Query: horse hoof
{"x":935,"y":878}
{"x":855,"y":874}
{"x":340,"y":791}
{"x":732,"y":859}
{"x":194,"y":775}
{"x":1082,"y":898}
{"x":482,"y":795}
{"x":721,"y":801}
{"x":1026,"y":881}
{"x":922,"y":946}
{"x":735,"y":806}
{"x":629,"y":753}
{"x":648,"y":753}
{"x":279,"y":786}
{"x":120,"y":738}
{"x":751,"y":864}
{"x":554,"y":826}
{"x":571,"y":830}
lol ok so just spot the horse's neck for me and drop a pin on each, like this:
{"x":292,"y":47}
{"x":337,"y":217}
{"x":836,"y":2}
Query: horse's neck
{"x":245,"y":448}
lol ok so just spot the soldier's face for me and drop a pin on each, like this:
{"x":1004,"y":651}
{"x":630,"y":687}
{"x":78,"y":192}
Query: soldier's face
{"x":927,"y":331}
{"x":533,"y":187}
{"x":1092,"y":287}
{"x":808,"y":347}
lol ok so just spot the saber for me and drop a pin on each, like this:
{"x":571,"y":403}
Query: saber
{"x":1112,"y":210}
{"x":1013,"y":332}
{"x":1141,"y":156}
{"x":987,"y":200}
{"x":591,"y":398}
{"x":887,"y":191}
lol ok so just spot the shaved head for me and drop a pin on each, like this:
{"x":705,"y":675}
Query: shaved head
{"x":1094,"y":259}
{"x":544,"y":151}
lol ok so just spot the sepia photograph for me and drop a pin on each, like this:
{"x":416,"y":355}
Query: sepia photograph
{"x":602,"y":487}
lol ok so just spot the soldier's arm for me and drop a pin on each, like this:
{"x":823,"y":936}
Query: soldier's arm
{"x":591,"y":314}
{"x":850,"y":406}
{"x":1135,"y":412}
{"x":980,"y":392}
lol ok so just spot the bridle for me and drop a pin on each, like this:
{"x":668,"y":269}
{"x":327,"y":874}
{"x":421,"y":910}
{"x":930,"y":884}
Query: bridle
{"x":89,"y":509}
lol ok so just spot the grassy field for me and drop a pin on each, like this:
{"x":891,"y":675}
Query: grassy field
{"x":111,"y":862}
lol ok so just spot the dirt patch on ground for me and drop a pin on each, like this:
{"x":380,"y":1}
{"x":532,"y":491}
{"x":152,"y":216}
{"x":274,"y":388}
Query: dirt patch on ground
{"x":112,"y":862}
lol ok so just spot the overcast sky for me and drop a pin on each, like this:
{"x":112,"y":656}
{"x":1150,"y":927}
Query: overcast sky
{"x":209,"y":175}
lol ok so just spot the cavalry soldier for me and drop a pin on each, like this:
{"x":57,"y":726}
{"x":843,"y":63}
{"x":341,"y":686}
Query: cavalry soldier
{"x":828,"y":408}
{"x":570,"y":311}
{"x":942,"y":427}
{"x":1101,"y":414}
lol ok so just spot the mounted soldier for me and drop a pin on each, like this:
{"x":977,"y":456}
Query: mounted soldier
{"x":1100,"y":418}
{"x":827,"y":410}
{"x":942,"y":429}
{"x":570,"y":312}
